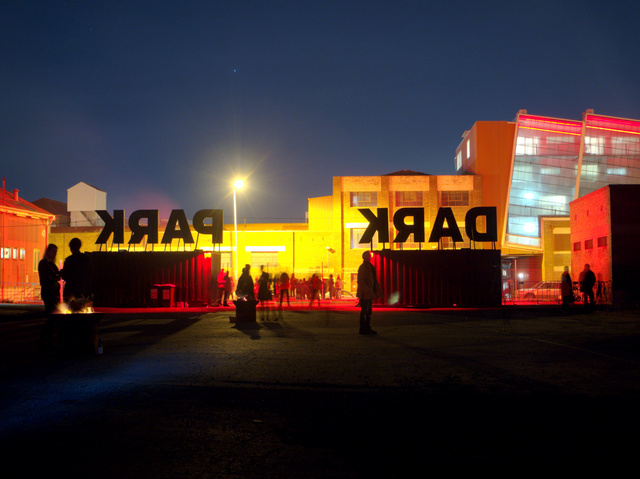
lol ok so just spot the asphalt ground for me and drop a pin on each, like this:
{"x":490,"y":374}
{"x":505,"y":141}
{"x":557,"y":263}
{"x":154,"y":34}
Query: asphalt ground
{"x":512,"y":392}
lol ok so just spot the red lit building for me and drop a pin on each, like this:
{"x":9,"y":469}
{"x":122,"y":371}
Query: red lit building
{"x":24,"y":233}
{"x":605,"y":227}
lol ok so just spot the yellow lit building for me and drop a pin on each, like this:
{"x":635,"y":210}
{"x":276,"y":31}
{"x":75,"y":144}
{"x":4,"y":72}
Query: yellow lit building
{"x":329,"y":242}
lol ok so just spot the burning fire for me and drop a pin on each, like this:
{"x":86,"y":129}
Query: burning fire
{"x":81,"y":306}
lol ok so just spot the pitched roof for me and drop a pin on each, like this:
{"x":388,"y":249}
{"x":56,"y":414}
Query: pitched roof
{"x":406,"y":173}
{"x":52,"y":206}
{"x":11,"y":201}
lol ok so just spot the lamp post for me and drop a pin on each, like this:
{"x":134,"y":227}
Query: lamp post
{"x":237,"y":185}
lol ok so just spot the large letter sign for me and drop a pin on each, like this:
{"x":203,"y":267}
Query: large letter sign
{"x":445,"y":215}
{"x":177,"y":226}
{"x":379,"y":224}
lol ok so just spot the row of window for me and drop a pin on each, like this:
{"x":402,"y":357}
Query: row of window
{"x":601,"y":242}
{"x":563,"y":145}
{"x":362,"y":199}
{"x":12,"y":253}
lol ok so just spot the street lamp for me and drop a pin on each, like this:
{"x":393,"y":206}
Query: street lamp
{"x":237,"y":185}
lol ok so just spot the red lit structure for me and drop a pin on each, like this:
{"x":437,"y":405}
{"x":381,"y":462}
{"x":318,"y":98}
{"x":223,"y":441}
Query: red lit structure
{"x":24,"y":233}
{"x":445,"y":278}
{"x":126,"y":279}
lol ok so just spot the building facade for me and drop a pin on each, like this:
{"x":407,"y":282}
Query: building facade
{"x":24,"y":234}
{"x":533,"y":167}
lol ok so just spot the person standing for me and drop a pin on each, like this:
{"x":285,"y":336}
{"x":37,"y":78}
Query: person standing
{"x":228,"y":287}
{"x":338,"y":288}
{"x":244,"y":290}
{"x":315,"y":285}
{"x":77,"y":274}
{"x":284,"y":288}
{"x":264,"y":293}
{"x":368,"y":290}
{"x":50,"y":293}
{"x":587,"y":281}
{"x":566,"y":289}
{"x":221,"y":288}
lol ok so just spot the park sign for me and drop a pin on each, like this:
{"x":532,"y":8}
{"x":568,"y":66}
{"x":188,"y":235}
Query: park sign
{"x":444,"y":226}
{"x":145,"y":223}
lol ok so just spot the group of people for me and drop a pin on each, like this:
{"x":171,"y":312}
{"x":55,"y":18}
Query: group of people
{"x":77,"y":274}
{"x":266,"y":289}
{"x":587,"y":280}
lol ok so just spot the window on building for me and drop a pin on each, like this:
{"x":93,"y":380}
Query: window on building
{"x":602,"y":242}
{"x":468,"y":149}
{"x":527,"y":146}
{"x":408,"y":198}
{"x":454,"y":198}
{"x":364,"y":198}
{"x":576,"y":246}
{"x":624,"y":145}
{"x":36,"y":259}
{"x":21,"y":253}
{"x":459,"y":160}
{"x":588,"y":244}
{"x":593,"y":145}
{"x":448,"y":243}
{"x":356,"y":234}
{"x":266,"y":259}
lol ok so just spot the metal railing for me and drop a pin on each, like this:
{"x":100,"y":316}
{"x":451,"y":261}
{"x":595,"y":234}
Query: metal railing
{"x":549,"y":292}
{"x":20,"y":293}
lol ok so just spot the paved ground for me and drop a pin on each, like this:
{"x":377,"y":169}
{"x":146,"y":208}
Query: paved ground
{"x":516,"y":392}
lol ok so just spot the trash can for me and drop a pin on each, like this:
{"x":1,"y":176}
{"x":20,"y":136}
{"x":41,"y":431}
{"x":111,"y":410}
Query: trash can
{"x":245,"y":311}
{"x":165,"y":295}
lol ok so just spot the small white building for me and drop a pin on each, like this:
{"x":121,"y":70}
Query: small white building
{"x":82,"y":202}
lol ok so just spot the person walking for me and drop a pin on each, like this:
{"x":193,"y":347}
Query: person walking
{"x":368,"y":290}
{"x":587,"y":281}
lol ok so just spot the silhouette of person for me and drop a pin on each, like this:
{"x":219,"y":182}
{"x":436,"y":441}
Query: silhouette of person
{"x":316,"y":286}
{"x":587,"y":281}
{"x":284,"y":288}
{"x":338,"y":288}
{"x":77,"y":274}
{"x":50,"y":293}
{"x":221,"y":283}
{"x":368,"y":290}
{"x":566,"y":289}
{"x":227,"y":288}
{"x":244,"y":289}
{"x":264,"y":294}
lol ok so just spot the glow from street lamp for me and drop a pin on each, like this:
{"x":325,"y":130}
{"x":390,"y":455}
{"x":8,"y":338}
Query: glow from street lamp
{"x":237,"y":185}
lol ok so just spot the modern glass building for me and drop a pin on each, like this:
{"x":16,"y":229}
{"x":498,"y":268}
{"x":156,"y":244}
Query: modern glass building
{"x":534,"y":166}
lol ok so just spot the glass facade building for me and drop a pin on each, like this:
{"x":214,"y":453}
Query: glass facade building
{"x":556,"y":161}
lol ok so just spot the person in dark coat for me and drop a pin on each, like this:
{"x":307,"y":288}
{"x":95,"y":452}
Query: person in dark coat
{"x":77,"y":274}
{"x":50,"y":293}
{"x":244,"y":290}
{"x":566,"y":289}
{"x":368,"y":290}
{"x":587,"y":281}
{"x":264,"y":294}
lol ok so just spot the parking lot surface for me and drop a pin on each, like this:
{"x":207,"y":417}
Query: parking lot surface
{"x":514,"y":391}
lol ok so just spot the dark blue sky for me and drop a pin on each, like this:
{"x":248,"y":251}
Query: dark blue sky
{"x":161,"y":104}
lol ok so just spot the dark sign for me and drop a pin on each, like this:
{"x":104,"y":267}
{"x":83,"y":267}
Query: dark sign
{"x":379,"y":223}
{"x":177,"y":226}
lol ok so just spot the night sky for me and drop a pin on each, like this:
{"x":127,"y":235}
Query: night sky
{"x":162,"y":104}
